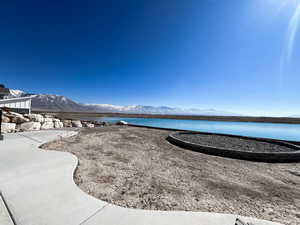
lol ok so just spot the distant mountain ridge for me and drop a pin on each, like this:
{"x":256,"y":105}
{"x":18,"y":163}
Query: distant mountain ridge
{"x":295,"y":116}
{"x":47,"y":102}
{"x":142,"y":109}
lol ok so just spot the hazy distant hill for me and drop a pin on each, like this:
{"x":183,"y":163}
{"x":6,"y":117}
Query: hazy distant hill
{"x":49,"y":102}
{"x":295,"y":116}
{"x":141,"y":109}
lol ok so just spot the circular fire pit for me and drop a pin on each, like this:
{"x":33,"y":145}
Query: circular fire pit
{"x":239,"y":147}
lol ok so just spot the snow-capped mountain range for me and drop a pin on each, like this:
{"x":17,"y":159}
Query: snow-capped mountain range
{"x":142,"y":109}
{"x":16,"y":93}
{"x":47,"y":102}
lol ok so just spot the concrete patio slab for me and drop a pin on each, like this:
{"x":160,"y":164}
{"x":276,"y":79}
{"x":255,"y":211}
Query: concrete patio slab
{"x":39,"y":190}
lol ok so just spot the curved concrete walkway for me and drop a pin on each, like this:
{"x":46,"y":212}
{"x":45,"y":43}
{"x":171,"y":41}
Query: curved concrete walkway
{"x":38,"y":188}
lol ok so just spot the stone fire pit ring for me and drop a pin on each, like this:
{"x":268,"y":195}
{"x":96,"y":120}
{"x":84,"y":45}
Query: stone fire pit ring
{"x":237,"y":147}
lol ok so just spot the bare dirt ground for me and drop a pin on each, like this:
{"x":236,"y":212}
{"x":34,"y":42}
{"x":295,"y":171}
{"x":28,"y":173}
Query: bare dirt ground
{"x":138,"y":168}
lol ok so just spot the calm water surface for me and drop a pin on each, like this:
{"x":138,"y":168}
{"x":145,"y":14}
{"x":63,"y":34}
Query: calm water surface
{"x":266,"y":130}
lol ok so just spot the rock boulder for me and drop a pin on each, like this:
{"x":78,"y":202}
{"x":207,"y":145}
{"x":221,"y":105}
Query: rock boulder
{"x":36,"y":118}
{"x":89,"y":125}
{"x":58,"y":124}
{"x":5,"y":119}
{"x":16,"y":117}
{"x":100,"y":123}
{"x":47,"y":125}
{"x":30,"y":126}
{"x":121,"y":122}
{"x":48,"y":116}
{"x":47,"y":119}
{"x":76,"y":123}
{"x":8,"y":128}
{"x":67,"y":123}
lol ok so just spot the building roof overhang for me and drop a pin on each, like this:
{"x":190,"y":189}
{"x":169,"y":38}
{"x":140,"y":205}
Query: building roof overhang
{"x":8,"y":100}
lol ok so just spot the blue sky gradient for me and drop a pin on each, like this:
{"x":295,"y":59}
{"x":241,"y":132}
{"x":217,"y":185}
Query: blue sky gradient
{"x":222,"y":54}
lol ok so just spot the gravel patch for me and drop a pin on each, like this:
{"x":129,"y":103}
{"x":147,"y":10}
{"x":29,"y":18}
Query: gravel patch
{"x":234,"y":143}
{"x":137,"y":168}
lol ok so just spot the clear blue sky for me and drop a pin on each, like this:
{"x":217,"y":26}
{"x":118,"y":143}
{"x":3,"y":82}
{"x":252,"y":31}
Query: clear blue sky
{"x":222,"y":54}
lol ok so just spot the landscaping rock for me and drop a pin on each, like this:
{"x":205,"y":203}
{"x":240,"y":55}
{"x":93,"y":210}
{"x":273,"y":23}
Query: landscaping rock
{"x":85,"y":123}
{"x":58,"y":124}
{"x":101,"y":123}
{"x":76,"y":123}
{"x":47,"y":119}
{"x":36,"y":118}
{"x":16,"y":117}
{"x":89,"y":125}
{"x":30,"y":126}
{"x":47,"y":125}
{"x":8,"y":128}
{"x":19,"y":120}
{"x":67,"y":123}
{"x":5,"y":119}
{"x":48,"y":116}
{"x":121,"y":122}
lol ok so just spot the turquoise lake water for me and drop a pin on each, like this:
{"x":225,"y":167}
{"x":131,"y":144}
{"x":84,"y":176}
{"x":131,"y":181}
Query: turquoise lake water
{"x":267,"y":130}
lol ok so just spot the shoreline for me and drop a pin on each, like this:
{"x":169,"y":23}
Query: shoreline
{"x":212,"y":133}
{"x":284,"y":120}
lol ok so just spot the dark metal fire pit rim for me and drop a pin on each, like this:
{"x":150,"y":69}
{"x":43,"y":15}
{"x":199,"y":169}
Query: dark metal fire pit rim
{"x":270,"y":157}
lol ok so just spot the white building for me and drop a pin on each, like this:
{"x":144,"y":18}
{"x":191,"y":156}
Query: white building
{"x":20,"y":105}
